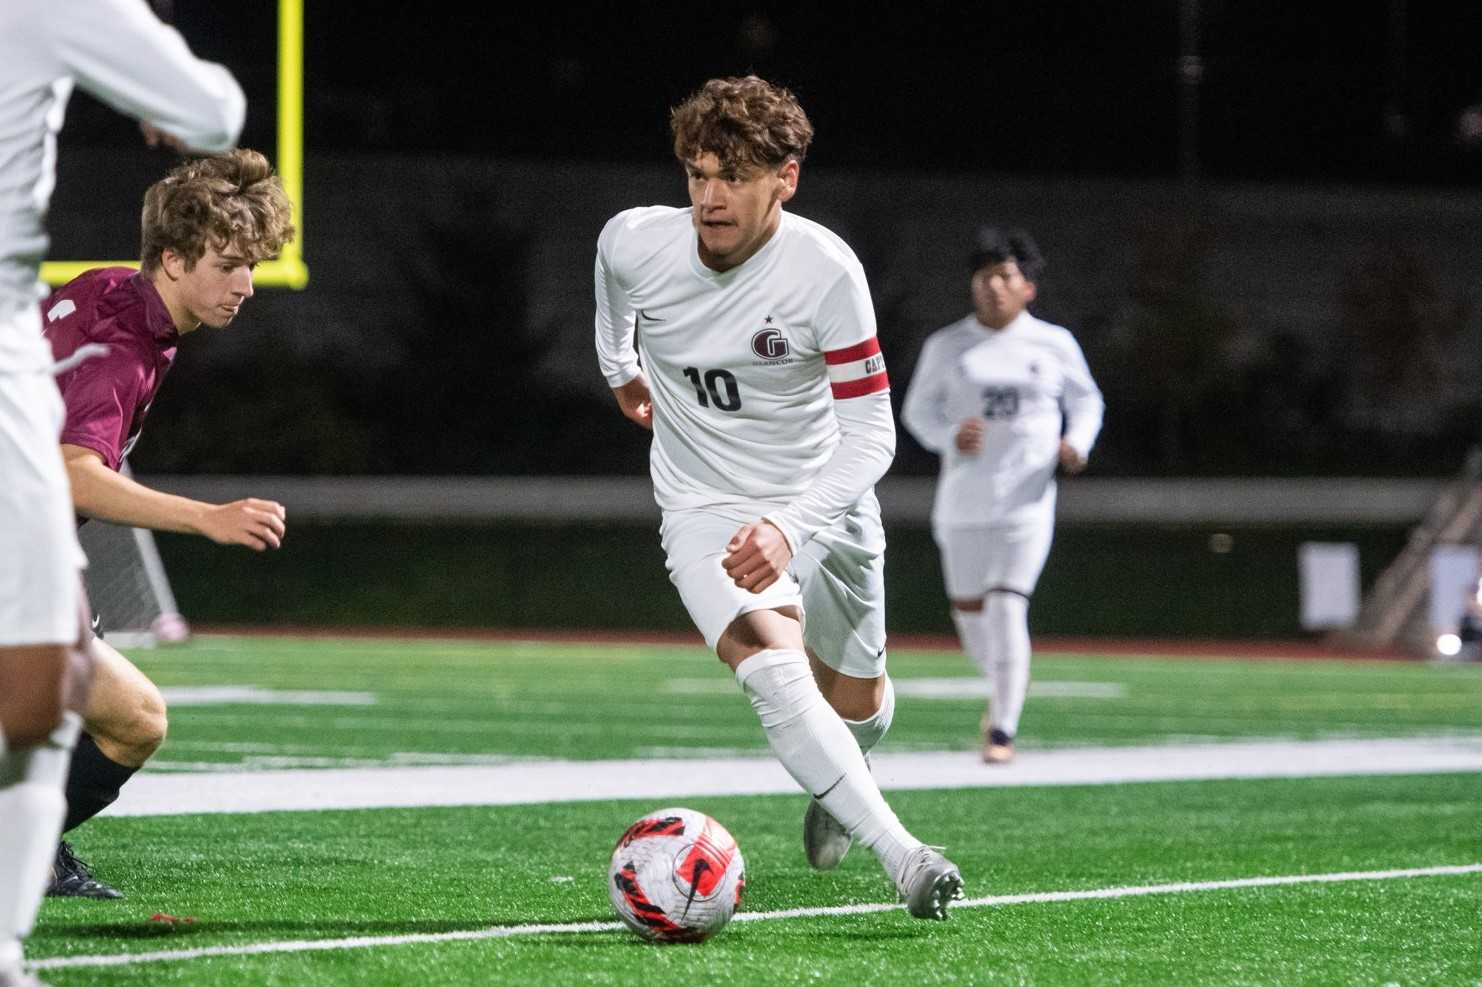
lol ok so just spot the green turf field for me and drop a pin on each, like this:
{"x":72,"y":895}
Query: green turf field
{"x":455,"y":894}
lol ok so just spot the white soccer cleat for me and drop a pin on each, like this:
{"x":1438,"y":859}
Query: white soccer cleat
{"x":928,"y":882}
{"x":824,"y":840}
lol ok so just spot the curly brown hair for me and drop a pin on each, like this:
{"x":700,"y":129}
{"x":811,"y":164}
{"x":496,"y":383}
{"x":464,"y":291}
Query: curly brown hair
{"x":227,"y":200}
{"x":743,"y":121}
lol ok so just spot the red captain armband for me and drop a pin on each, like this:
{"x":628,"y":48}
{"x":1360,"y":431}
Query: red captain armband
{"x":857,"y":370}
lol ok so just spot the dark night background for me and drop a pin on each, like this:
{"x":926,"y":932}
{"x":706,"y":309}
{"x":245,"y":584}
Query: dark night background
{"x":458,"y":168}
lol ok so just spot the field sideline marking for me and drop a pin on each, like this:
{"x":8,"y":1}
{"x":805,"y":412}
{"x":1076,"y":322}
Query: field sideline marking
{"x":526,"y":782}
{"x":510,"y":931}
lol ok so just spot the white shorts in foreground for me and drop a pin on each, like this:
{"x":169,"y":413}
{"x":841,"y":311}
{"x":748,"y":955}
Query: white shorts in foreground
{"x":575,"y":781}
{"x":511,"y":931}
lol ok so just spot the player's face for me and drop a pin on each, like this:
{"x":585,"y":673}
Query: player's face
{"x":214,"y":289}
{"x":736,"y":209}
{"x":1000,"y":293}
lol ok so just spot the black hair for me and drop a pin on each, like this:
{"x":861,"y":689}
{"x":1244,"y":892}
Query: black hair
{"x":994,"y":245}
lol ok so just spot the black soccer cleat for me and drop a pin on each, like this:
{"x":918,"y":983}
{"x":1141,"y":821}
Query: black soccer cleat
{"x":71,"y":878}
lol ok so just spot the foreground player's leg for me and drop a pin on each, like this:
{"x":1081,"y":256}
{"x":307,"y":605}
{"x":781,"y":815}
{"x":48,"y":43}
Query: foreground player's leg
{"x":867,"y":707}
{"x":821,"y":754}
{"x":33,"y":763}
{"x":1007,"y":619}
{"x":125,"y":725}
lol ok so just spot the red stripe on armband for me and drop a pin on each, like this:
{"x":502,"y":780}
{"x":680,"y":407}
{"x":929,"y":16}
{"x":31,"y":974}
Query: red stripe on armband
{"x":849,"y":354}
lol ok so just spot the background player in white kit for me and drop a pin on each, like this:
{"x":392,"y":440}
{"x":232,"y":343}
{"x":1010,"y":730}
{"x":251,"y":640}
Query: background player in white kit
{"x":757,"y":368}
{"x":119,"y":52}
{"x":1004,"y":398}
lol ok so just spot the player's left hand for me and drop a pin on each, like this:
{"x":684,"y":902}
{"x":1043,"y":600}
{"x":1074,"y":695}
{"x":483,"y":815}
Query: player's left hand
{"x":1071,"y":461}
{"x":757,"y":556}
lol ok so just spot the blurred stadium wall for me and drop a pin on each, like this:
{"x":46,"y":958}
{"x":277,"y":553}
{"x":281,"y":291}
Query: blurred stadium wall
{"x":1256,"y":331}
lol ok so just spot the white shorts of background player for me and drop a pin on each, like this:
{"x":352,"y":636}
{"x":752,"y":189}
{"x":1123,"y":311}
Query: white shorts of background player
{"x":837,"y":579}
{"x":976,"y":560}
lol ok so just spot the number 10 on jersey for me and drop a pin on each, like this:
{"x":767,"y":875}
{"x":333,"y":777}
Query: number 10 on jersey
{"x":717,"y":387}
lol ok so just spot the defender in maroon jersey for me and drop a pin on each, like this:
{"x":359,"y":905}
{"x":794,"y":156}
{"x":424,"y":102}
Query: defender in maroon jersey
{"x":205,"y":227}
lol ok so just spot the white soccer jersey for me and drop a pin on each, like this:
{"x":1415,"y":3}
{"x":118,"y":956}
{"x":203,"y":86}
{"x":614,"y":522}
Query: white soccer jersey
{"x":118,"y":51}
{"x":768,"y":384}
{"x":1021,"y":380}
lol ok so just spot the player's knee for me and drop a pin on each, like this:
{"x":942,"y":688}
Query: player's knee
{"x":152,"y":723}
{"x":856,"y":699}
{"x":968,"y":606}
{"x":134,"y":737}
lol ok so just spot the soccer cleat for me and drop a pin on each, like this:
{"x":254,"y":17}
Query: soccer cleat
{"x":71,"y":878}
{"x":927,"y":882}
{"x":998,"y":747}
{"x":824,"y":840}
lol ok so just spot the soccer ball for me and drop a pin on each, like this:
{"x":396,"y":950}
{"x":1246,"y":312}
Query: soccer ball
{"x":676,"y":876}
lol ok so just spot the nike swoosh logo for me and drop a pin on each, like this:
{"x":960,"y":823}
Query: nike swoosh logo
{"x":650,"y":318}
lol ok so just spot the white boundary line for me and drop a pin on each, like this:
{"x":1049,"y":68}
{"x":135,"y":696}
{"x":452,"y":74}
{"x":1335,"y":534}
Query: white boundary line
{"x":511,"y":931}
{"x":532,"y":781}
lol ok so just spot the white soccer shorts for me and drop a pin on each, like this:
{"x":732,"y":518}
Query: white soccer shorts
{"x":837,"y":580}
{"x":39,"y":555}
{"x":978,"y":559}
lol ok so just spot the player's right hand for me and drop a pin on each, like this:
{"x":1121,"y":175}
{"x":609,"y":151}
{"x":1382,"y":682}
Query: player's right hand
{"x":257,"y":524}
{"x":636,"y":402}
{"x":969,"y":438}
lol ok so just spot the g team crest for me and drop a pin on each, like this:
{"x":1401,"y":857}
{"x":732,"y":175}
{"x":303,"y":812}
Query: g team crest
{"x":771,"y":345}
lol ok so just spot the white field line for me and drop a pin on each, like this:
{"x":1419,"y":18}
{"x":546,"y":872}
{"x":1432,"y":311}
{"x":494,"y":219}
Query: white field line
{"x":529,"y":782}
{"x":512,"y":931}
{"x":251,"y":695}
{"x":953,"y":689}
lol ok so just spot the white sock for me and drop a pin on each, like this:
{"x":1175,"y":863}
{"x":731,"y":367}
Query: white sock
{"x":1007,"y":625}
{"x":869,"y":732}
{"x":820,"y":753}
{"x":32,"y":805}
{"x":972,"y":631}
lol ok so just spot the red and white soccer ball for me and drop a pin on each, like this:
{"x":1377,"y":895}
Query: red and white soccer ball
{"x":676,"y":876}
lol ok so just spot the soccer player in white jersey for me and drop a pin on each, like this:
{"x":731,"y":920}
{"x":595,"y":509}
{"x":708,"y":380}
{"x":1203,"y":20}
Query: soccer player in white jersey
{"x":1005,"y":399}
{"x":118,"y":51}
{"x":744,"y":337}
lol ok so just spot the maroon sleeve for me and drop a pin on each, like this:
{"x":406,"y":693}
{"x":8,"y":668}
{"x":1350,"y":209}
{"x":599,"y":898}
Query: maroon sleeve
{"x":102,"y":397}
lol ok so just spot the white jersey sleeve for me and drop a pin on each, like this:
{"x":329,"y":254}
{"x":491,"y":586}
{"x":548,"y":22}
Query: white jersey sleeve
{"x":924,"y":411}
{"x":865,"y":450}
{"x":615,"y":326}
{"x":121,"y":53}
{"x":1081,"y":399}
{"x":861,"y":394}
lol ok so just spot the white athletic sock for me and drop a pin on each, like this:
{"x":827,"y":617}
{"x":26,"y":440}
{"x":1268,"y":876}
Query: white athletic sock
{"x":869,"y":732}
{"x":972,"y":631}
{"x":820,"y":753}
{"x":1007,"y":620}
{"x":32,"y":805}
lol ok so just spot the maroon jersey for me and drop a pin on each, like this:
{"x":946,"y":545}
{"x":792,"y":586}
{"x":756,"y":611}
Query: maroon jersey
{"x":108,"y":396}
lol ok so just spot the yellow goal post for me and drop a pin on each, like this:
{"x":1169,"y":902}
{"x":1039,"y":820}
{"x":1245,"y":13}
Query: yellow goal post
{"x":289,"y":270}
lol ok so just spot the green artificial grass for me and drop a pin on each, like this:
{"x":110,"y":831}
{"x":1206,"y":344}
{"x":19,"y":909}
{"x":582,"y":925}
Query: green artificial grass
{"x":302,"y":876}
{"x":281,"y":877}
{"x":442,"y":700}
